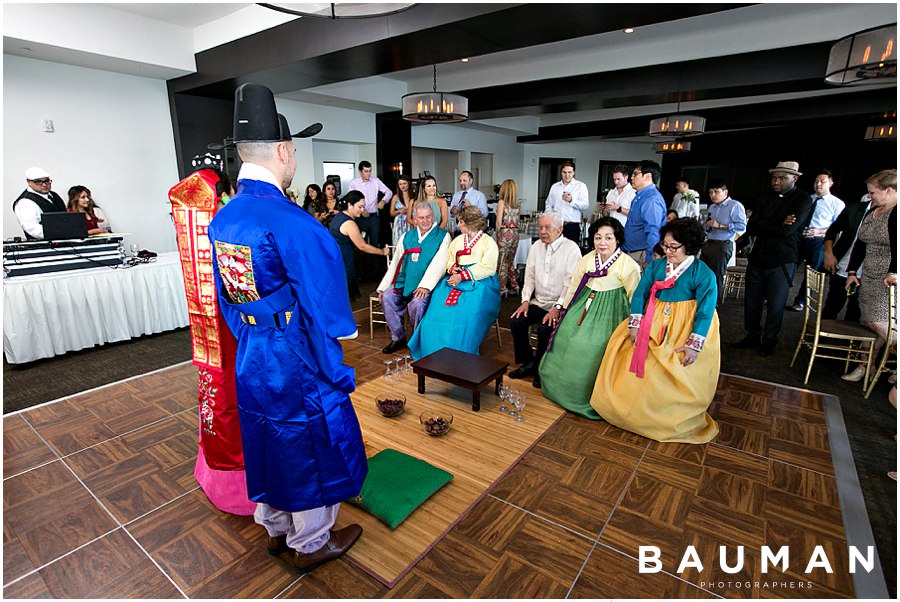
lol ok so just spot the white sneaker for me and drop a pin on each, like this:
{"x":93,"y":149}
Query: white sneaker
{"x":856,"y":375}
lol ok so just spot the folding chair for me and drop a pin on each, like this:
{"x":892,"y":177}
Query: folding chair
{"x":735,"y":278}
{"x":376,"y":311}
{"x":890,"y":345}
{"x":831,"y":339}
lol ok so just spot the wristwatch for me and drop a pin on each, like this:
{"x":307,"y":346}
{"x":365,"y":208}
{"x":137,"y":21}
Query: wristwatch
{"x":557,"y":306}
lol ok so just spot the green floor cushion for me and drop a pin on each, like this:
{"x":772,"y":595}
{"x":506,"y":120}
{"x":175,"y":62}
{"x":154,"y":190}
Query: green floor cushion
{"x":397,"y":484}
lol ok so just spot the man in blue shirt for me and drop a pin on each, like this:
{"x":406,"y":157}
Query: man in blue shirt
{"x":647,"y":214}
{"x":467,"y":195}
{"x":826,"y":209}
{"x":725,"y":221}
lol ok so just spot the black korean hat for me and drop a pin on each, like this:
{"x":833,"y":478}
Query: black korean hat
{"x":256,"y":120}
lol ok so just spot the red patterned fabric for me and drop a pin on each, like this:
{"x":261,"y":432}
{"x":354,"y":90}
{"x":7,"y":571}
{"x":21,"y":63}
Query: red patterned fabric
{"x":193,"y":206}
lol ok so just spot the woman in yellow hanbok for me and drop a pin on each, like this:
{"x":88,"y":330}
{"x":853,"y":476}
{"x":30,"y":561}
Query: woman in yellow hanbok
{"x":661,"y":366}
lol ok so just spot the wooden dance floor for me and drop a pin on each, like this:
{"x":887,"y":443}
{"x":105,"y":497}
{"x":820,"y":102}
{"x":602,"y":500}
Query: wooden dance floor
{"x":479,"y":448}
{"x":99,"y":501}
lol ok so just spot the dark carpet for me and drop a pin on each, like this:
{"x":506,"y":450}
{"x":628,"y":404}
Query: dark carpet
{"x":871,"y":424}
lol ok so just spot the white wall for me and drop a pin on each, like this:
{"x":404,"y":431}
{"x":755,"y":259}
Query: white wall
{"x":347,"y":135}
{"x":113,"y":135}
{"x":520,"y":161}
{"x":587,"y":157}
{"x":507,"y":153}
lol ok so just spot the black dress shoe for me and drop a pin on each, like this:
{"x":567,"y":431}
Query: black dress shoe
{"x":394,"y":346}
{"x":337,"y":545}
{"x":523,"y":371}
{"x":746,"y":343}
{"x":536,"y":383}
{"x":794,"y":307}
{"x":766,"y":349}
{"x":277,"y":545}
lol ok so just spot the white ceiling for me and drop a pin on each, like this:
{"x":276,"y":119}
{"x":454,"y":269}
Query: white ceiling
{"x":748,"y":29}
{"x":183,"y":14}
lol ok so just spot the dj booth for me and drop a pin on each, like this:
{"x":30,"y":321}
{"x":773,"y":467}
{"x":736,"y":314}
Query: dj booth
{"x":63,"y":296}
{"x":44,"y":256}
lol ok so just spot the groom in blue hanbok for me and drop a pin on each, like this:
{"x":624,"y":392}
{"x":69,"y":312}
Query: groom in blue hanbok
{"x":282,"y":290}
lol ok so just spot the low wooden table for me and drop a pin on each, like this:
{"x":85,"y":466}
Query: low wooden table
{"x":463,"y":369}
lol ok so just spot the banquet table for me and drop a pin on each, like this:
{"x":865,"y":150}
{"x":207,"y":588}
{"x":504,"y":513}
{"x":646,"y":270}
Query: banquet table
{"x":523,"y":249}
{"x":50,"y":314}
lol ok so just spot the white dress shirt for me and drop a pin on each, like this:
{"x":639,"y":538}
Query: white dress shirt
{"x":684,"y":207}
{"x":548,"y":272}
{"x":29,"y":215}
{"x":571,"y":212}
{"x":622,"y":199}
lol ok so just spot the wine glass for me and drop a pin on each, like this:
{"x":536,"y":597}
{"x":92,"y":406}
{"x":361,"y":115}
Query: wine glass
{"x":504,"y":396}
{"x":389,"y":370}
{"x":134,"y":249}
{"x":520,"y":402}
{"x":514,"y":399}
{"x":407,"y":365}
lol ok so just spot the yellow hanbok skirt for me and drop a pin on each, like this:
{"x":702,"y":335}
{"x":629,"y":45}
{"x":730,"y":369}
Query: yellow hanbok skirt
{"x":670,"y":403}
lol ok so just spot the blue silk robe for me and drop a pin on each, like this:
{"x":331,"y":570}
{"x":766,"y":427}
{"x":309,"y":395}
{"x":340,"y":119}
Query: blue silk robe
{"x":283,"y":293}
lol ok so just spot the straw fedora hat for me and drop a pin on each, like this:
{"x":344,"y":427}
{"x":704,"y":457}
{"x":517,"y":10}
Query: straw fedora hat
{"x":791,"y":167}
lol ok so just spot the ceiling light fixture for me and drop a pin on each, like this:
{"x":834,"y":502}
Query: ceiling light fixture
{"x":338,"y":10}
{"x":864,"y":58}
{"x":463,"y":60}
{"x":675,"y":146}
{"x":434,"y":106}
{"x":677,"y":124}
{"x":628,"y":30}
{"x":888,"y":131}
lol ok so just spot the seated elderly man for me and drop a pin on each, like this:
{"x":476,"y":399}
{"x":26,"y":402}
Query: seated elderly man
{"x":416,"y":267}
{"x":548,"y":271}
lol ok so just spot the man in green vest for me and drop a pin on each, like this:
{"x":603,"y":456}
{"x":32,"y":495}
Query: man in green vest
{"x":417,"y":265}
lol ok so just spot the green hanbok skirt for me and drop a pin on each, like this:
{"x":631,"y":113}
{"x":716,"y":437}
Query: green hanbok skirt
{"x":569,"y":368}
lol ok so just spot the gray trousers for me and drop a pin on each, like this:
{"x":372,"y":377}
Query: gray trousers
{"x":396,"y":306}
{"x":307,"y":530}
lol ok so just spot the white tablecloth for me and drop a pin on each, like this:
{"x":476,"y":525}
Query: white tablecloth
{"x":522,"y":250}
{"x":49,"y":314}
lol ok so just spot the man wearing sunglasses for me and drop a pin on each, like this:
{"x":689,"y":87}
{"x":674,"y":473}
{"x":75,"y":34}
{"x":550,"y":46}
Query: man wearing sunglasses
{"x":34,"y":201}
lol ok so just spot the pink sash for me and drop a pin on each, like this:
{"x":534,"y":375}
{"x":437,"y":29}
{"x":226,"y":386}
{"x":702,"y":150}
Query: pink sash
{"x":642,"y":345}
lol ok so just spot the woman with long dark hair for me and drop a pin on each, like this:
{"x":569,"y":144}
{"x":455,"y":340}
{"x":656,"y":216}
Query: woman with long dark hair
{"x":400,"y":204}
{"x":345,"y":231}
{"x":81,"y":201}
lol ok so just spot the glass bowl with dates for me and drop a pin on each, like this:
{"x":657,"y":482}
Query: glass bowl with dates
{"x":436,"y":423}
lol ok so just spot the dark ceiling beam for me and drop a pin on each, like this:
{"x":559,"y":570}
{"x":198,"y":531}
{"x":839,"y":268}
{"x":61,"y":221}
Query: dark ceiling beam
{"x":309,"y":52}
{"x":862,"y":105}
{"x":781,"y":70}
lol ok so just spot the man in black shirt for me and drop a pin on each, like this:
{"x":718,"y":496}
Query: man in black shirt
{"x":776,"y":224}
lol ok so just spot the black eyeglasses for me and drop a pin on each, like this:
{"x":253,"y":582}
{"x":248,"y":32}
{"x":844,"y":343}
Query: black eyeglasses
{"x":42,"y":181}
{"x":636,"y":174}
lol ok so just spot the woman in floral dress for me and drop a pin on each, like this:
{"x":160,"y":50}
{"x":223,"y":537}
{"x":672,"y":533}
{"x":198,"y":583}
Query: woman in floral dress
{"x":508,"y":237}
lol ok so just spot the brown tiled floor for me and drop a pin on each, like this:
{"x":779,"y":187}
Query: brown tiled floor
{"x":99,"y":500}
